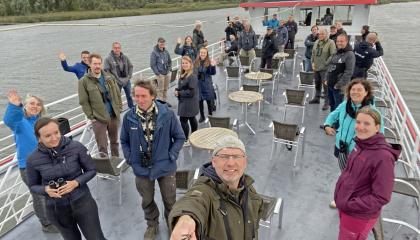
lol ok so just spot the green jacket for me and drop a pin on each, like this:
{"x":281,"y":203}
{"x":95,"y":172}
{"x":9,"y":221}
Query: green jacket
{"x":322,"y":54}
{"x":90,"y":97}
{"x":202,"y":203}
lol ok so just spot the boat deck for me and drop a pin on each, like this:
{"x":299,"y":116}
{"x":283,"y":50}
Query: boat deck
{"x":305,"y":189}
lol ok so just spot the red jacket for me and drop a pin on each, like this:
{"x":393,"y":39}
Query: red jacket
{"x":366,"y":183}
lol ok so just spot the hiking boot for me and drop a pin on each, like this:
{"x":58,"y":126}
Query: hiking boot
{"x":325,"y":107}
{"x":314,"y":101}
{"x":150,"y":233}
{"x":332,"y":204}
{"x":49,"y":229}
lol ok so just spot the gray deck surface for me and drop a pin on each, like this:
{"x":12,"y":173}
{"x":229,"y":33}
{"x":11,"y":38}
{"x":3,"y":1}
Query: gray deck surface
{"x":306,"y":189}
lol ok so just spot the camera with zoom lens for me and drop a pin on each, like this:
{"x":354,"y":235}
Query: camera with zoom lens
{"x":146,"y":159}
{"x":57,"y":184}
{"x":343,"y":146}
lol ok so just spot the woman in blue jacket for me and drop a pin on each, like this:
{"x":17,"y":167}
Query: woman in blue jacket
{"x":205,"y":68}
{"x":359,"y":94}
{"x":187,"y":49}
{"x":21,"y":119}
{"x":60,"y":169}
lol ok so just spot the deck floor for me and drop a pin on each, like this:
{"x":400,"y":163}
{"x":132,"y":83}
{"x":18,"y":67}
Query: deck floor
{"x":306,"y":189}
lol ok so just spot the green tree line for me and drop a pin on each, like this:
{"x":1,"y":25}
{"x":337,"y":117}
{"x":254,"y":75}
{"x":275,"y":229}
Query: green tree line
{"x":25,"y":7}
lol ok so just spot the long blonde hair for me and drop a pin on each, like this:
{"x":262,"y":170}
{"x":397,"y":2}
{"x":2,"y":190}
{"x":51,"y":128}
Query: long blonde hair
{"x":185,"y":74}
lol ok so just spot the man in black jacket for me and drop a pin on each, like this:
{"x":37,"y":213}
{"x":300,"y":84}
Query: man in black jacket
{"x":340,"y":71}
{"x":292,"y":29}
{"x":365,"y":53}
{"x":269,"y":48}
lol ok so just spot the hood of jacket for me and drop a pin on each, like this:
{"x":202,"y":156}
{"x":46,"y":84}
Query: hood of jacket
{"x":378,"y":142}
{"x":55,"y":152}
{"x":348,"y":48}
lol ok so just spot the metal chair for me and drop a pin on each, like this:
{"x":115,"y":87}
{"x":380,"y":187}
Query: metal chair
{"x":223,"y":122}
{"x":287,"y":134}
{"x":271,"y":206}
{"x":109,"y":168}
{"x":216,"y":90}
{"x":185,"y":178}
{"x":272,"y":80}
{"x":306,"y":80}
{"x":292,"y":56}
{"x":296,"y":99}
{"x":258,"y":52}
{"x":232,"y":74}
{"x":254,"y":88}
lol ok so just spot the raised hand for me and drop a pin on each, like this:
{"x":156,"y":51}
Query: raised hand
{"x":184,"y":229}
{"x":213,"y":62}
{"x":179,"y":41}
{"x":62,"y":56}
{"x":14,"y":97}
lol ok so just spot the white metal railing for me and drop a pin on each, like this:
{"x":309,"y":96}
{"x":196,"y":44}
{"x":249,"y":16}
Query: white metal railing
{"x":12,"y":188}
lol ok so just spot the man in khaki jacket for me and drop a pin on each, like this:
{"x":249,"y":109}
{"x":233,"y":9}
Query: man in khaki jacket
{"x":100,"y":99}
{"x":222,"y":204}
{"x":322,"y":53}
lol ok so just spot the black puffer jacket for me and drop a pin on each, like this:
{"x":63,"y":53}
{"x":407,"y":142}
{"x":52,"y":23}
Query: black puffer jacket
{"x":69,"y":161}
{"x":341,"y":68}
{"x":270,"y":46}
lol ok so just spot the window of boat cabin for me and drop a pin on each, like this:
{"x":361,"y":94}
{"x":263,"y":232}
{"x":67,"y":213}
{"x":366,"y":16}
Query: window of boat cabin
{"x":328,"y":15}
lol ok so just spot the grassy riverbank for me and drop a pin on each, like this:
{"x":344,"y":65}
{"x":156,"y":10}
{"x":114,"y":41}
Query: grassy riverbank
{"x":149,"y":9}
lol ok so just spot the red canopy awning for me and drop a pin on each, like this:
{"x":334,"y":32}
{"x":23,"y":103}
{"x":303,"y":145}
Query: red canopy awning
{"x":306,"y":3}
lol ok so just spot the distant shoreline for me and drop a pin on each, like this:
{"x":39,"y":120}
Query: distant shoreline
{"x":147,"y":10}
{"x":82,"y":15}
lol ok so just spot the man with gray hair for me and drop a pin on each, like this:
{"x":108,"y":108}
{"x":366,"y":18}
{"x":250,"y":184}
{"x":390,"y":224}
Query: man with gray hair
{"x":322,"y":54}
{"x":120,"y":66}
{"x":222,"y":198}
{"x":161,"y":64}
{"x":247,"y":42}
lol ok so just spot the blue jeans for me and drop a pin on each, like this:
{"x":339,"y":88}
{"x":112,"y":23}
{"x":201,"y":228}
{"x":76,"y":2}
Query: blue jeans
{"x":335,"y":97}
{"x":127,"y":90}
{"x":307,"y":64}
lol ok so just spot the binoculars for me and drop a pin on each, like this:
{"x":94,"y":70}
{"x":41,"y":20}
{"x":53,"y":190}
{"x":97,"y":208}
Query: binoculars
{"x":343,"y":146}
{"x":56,"y":184}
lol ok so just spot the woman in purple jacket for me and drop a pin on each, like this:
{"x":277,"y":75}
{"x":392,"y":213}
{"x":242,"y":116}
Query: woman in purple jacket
{"x":366,"y":183}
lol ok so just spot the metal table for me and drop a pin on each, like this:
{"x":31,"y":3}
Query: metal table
{"x":245,"y":97}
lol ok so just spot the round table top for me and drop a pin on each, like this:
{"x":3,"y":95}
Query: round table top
{"x":281,"y":55}
{"x":206,"y":138}
{"x":258,"y":76}
{"x":245,"y":96}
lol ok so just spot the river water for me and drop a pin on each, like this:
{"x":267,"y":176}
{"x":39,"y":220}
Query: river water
{"x":29,"y":57}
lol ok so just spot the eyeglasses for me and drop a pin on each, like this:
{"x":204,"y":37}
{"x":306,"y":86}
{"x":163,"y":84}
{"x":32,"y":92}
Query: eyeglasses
{"x":227,"y":156}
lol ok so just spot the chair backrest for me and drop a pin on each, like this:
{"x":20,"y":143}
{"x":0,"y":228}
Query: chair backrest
{"x":252,"y":88}
{"x":285,"y":131}
{"x":270,"y":71}
{"x":296,"y":97}
{"x":107,"y":165}
{"x":244,"y":61}
{"x":275,"y":63}
{"x":306,"y":78}
{"x":184,"y":178}
{"x":232,"y":72}
{"x":174,"y":74}
{"x":291,"y":53}
{"x":268,"y":207}
{"x":222,"y":122}
{"x":258,"y":52}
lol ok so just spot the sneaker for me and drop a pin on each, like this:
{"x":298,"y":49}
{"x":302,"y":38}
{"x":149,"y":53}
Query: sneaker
{"x":49,"y":229}
{"x":325,"y":107}
{"x":332,"y":205}
{"x":187,"y":143}
{"x":314,"y":101}
{"x":289,"y":147}
{"x":150,"y":233}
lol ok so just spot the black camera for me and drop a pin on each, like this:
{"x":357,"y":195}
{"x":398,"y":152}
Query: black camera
{"x":146,"y":159}
{"x":56,"y":184}
{"x":343,"y":146}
